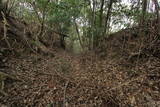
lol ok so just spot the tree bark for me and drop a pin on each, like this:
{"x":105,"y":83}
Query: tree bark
{"x":144,"y":9}
{"x":108,"y":16}
{"x":157,"y":8}
{"x":93,"y":40}
{"x":79,"y":38}
{"x":101,"y":14}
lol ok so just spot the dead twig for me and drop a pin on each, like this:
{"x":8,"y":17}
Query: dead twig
{"x":9,"y":76}
{"x":78,"y":85}
{"x":3,"y":93}
{"x":65,"y":89}
{"x":5,"y":30}
{"x":126,"y":83}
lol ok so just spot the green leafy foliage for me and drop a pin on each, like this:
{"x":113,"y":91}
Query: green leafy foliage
{"x":61,"y":15}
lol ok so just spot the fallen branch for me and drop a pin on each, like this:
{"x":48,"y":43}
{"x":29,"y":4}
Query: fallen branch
{"x":126,"y":83}
{"x":65,"y":88}
{"x":4,"y":75}
{"x":3,"y":93}
{"x":5,"y":30}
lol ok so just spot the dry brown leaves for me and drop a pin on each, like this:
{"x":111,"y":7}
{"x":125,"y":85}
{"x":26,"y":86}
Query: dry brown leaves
{"x":69,"y":80}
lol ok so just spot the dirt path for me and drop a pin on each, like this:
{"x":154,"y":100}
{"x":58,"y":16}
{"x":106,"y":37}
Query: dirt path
{"x":68,"y":79}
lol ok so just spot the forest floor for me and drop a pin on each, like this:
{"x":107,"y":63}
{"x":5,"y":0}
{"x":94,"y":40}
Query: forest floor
{"x":81,"y":81}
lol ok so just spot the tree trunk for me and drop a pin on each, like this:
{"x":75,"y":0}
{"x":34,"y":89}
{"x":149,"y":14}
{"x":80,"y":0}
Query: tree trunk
{"x":144,"y":9}
{"x":101,"y":14}
{"x":79,"y":38}
{"x":157,"y":8}
{"x":93,"y":40}
{"x":108,"y":16}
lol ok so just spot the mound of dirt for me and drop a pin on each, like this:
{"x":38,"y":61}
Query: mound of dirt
{"x":15,"y":35}
{"x":132,"y":43}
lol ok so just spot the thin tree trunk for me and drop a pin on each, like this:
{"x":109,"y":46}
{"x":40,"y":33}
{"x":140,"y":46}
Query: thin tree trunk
{"x":79,"y":38}
{"x":41,"y":21}
{"x":5,"y":30}
{"x":10,"y":5}
{"x":157,"y":13}
{"x":101,"y":14}
{"x":93,"y":25}
{"x":108,"y":16}
{"x":157,"y":9}
{"x":144,"y":9}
